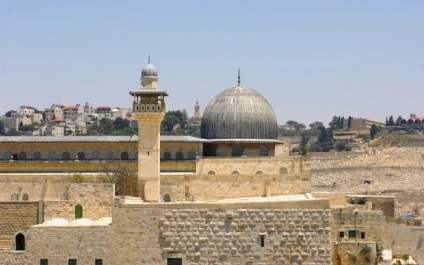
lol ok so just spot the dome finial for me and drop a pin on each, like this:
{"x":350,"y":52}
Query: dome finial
{"x":238,"y":82}
{"x":148,"y":60}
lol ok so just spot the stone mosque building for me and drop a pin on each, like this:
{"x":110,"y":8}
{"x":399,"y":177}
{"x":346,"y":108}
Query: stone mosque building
{"x":224,"y":198}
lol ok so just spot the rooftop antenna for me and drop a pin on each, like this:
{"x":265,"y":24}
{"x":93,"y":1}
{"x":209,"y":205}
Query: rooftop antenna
{"x":238,"y":82}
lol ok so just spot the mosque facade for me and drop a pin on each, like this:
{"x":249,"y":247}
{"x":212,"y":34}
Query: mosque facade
{"x":224,"y":198}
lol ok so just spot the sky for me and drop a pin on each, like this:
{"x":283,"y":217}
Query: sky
{"x":310,"y":59}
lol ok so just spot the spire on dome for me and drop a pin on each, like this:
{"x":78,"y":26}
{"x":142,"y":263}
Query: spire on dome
{"x":238,"y":82}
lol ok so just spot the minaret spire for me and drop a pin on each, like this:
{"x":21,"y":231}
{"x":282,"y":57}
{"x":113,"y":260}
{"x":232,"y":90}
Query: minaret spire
{"x":238,"y":82}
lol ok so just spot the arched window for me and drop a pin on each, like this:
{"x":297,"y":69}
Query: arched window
{"x":211,"y":172}
{"x":22,"y":156}
{"x":179,"y":155}
{"x":110,"y":156}
{"x":167,"y":198}
{"x":259,"y":172}
{"x":124,"y":156}
{"x":237,"y":151}
{"x":95,"y":155}
{"x":14,"y":197}
{"x":81,"y":156}
{"x":283,"y":170}
{"x":51,"y":156}
{"x":20,"y":242}
{"x":192,"y":155}
{"x":36,"y":155}
{"x":78,"y":211}
{"x":235,"y":172}
{"x":263,"y":151}
{"x":66,"y":155}
{"x":25,"y":197}
{"x":8,"y":156}
{"x":167,"y":156}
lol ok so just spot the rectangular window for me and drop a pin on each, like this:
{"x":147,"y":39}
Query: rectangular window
{"x":175,"y":261}
{"x":44,"y":262}
{"x":262,"y":241}
{"x":72,"y":261}
{"x":362,"y":235}
{"x":98,"y":262}
{"x":341,"y":234}
{"x":352,"y":233}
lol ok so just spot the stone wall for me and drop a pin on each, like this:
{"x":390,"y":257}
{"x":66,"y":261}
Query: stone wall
{"x":15,"y":217}
{"x":357,"y":253}
{"x":95,"y":198}
{"x":294,"y":232}
{"x":406,"y":240}
{"x":13,"y":258}
{"x":212,"y":187}
{"x":58,"y":244}
{"x":368,"y":225}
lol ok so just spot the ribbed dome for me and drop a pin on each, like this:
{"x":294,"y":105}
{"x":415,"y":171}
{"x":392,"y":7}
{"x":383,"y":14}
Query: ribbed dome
{"x":239,"y":113}
{"x":149,"y":70}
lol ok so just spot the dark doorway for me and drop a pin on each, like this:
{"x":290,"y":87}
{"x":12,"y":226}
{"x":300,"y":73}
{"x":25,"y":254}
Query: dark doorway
{"x":175,"y":261}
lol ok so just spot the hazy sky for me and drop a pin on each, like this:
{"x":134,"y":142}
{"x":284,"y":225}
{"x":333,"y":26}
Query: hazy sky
{"x":310,"y":59}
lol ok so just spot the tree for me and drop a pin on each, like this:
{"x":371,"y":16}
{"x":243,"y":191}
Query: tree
{"x":336,"y":123}
{"x":373,"y":131}
{"x":12,"y":132}
{"x":106,"y":126}
{"x":349,"y":121}
{"x":9,"y":113}
{"x":299,"y":127}
{"x":315,"y":125}
{"x":291,"y":124}
{"x":304,"y":141}
{"x":391,"y":122}
{"x":398,"y":120}
{"x":124,"y":178}
{"x":2,"y":129}
{"x":120,"y":124}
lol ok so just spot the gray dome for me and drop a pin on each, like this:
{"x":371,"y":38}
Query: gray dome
{"x":149,"y":70}
{"x":239,"y":113}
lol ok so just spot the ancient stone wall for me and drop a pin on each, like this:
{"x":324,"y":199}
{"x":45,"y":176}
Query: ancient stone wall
{"x":58,"y":244}
{"x":96,"y":200}
{"x":267,"y":232}
{"x":406,"y":240}
{"x":357,"y":224}
{"x":15,"y":217}
{"x":208,"y":187}
{"x":8,"y":257}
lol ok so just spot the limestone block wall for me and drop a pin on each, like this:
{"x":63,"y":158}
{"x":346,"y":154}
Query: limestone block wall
{"x":13,"y":258}
{"x":250,"y":165}
{"x":247,"y":236}
{"x":95,"y":198}
{"x":58,"y":244}
{"x":36,"y":186}
{"x":226,"y":233}
{"x":207,"y":187}
{"x":359,"y":219}
{"x":294,"y":232}
{"x":15,"y":217}
{"x":406,"y":240}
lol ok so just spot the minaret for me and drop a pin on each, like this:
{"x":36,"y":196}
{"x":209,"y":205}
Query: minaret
{"x":197,"y":114}
{"x":149,"y":110}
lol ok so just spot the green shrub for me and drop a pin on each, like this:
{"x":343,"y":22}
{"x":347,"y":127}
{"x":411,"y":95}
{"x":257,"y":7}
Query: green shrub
{"x":352,"y":258}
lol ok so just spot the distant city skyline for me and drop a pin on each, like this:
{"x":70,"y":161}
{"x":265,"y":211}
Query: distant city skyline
{"x":310,"y":60}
